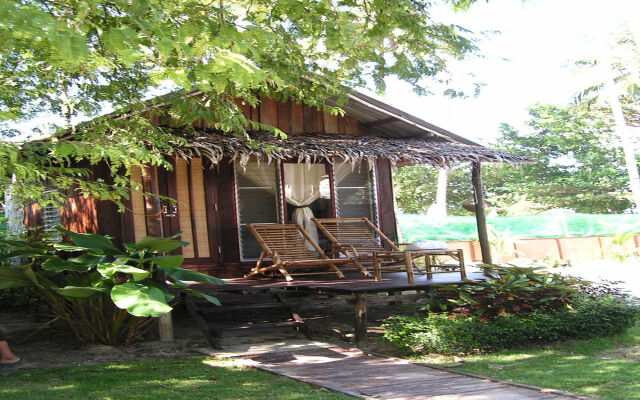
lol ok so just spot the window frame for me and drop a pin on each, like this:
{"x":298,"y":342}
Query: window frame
{"x":278,"y":196}
{"x":281,"y":198}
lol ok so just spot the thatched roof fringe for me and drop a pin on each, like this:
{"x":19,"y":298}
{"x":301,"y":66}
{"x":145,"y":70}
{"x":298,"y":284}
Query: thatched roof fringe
{"x":309,"y":148}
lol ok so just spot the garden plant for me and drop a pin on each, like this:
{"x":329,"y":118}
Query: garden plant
{"x":516,"y":307}
{"x":105,"y":293}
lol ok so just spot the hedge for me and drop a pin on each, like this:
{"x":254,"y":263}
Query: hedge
{"x":455,"y":334}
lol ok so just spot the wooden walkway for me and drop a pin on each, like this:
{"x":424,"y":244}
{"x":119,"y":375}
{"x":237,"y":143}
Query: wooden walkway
{"x":355,"y":373}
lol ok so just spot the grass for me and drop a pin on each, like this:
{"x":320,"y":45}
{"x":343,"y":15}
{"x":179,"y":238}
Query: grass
{"x":192,"y":378}
{"x":607,"y":368}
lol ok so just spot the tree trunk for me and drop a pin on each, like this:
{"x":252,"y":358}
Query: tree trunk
{"x":622,"y":130}
{"x":439,"y":208}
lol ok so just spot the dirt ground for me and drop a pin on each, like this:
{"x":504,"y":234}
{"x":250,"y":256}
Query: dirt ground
{"x":330,"y":319}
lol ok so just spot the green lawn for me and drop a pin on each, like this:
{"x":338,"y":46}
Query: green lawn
{"x":607,"y":368}
{"x":193,"y":378}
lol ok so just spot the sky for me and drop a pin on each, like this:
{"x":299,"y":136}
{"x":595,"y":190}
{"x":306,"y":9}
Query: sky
{"x":529,"y":61}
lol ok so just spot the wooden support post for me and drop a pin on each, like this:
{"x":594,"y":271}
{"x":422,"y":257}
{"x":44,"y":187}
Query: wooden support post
{"x":361,"y":317}
{"x":408,"y":263}
{"x":478,"y":196}
{"x":165,"y":327}
{"x":463,"y":272}
{"x":376,"y":267}
{"x":427,"y":265}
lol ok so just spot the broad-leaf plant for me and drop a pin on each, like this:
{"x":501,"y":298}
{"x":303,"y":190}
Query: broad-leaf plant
{"x":105,"y":293}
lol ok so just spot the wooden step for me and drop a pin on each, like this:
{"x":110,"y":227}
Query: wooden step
{"x":257,"y":325}
{"x":233,"y":299}
{"x":212,"y":309}
{"x":210,"y":317}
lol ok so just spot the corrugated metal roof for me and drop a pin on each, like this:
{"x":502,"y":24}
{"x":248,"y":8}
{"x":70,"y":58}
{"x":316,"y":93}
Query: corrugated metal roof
{"x":370,"y":110}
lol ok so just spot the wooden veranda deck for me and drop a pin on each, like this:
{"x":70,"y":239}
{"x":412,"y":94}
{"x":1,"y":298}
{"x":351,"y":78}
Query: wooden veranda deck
{"x":354,"y":284}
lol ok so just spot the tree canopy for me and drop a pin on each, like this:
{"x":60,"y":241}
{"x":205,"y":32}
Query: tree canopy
{"x":580,"y":163}
{"x":580,"y":166}
{"x":68,"y":60}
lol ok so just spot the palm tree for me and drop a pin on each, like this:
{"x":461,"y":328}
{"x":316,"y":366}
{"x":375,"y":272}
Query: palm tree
{"x":618,"y":67}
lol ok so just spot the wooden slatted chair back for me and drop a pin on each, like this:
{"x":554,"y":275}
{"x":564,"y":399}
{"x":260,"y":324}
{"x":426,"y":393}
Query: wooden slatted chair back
{"x":288,"y":240}
{"x":360,"y":233}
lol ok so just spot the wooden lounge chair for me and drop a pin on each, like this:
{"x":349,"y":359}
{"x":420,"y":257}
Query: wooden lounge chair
{"x":286,"y":246}
{"x":360,"y":238}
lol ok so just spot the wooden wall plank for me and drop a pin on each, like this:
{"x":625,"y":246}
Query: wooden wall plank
{"x":363,"y":129}
{"x":384,"y":189}
{"x":184,"y":207}
{"x":342,"y":125}
{"x":199,"y":208}
{"x":268,"y":111}
{"x":330,"y":122}
{"x":244,"y":106}
{"x":152,"y":202}
{"x":167,"y":187}
{"x":128,"y":222}
{"x":137,"y":207}
{"x":173,"y":223}
{"x":351,"y":125}
{"x":297,"y":118}
{"x":80,"y":214}
{"x":228,"y":213}
{"x":309,"y":122}
{"x":318,"y":121}
{"x":284,"y":116}
{"x":33,"y":219}
{"x":255,"y":113}
{"x":108,"y":220}
{"x":210,"y":176}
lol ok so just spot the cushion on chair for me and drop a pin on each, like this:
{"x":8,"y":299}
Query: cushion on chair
{"x":426,"y":245}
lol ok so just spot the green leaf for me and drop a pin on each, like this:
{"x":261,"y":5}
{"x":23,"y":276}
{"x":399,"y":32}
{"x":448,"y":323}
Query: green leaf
{"x":13,"y":278}
{"x":58,"y":264}
{"x":168,"y":261}
{"x":158,"y":244}
{"x":108,"y":270}
{"x":140,"y":300}
{"x":68,"y":247}
{"x":188,"y":275}
{"x":210,"y":299}
{"x":81,"y":292}
{"x":89,"y":259}
{"x":90,"y":241}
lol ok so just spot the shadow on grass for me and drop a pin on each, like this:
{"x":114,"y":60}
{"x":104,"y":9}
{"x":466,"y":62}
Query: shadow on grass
{"x":584,"y":367}
{"x":174,"y":379}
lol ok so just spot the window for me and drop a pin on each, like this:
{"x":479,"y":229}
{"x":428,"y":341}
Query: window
{"x":307,"y":193}
{"x":257,"y":194}
{"x":50,"y":220}
{"x":355,"y":192}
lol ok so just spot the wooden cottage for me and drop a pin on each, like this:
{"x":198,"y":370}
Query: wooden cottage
{"x":329,"y":166}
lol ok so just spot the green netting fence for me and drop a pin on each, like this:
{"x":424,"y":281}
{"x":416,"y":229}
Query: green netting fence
{"x":420,"y":227}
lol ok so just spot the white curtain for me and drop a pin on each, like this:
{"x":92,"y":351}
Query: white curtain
{"x":304,"y":184}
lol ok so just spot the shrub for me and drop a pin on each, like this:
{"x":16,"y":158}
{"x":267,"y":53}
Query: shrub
{"x":454,"y":333}
{"x":105,"y":294}
{"x":511,"y":290}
